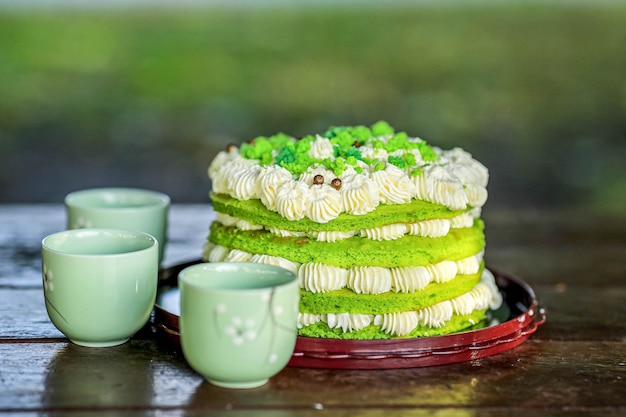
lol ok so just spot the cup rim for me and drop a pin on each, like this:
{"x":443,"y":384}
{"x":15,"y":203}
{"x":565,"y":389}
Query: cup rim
{"x":45,"y":246}
{"x":181,"y":277}
{"x":73,"y":199}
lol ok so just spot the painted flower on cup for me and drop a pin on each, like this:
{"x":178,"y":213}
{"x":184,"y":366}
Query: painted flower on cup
{"x":47,"y":279}
{"x":240,"y":330}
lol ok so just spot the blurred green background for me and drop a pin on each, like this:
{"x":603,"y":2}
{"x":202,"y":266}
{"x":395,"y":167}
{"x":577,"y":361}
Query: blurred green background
{"x":147,"y":96}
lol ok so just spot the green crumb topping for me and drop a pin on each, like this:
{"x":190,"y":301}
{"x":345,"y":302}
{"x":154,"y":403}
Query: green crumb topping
{"x":337,"y":166}
{"x":398,"y":141}
{"x":353,"y":152}
{"x":416,"y":172}
{"x":397,"y":161}
{"x":409,"y":159}
{"x":262,"y":148}
{"x":292,"y":154}
{"x":256,"y":148}
{"x":380,"y":166}
{"x":343,"y":140}
{"x":351,"y":160}
{"x":361,"y":132}
{"x":279,"y":140}
{"x":304,"y":145}
{"x":427,"y":152}
{"x":287,"y":155}
{"x":346,"y":135}
{"x":382,"y":128}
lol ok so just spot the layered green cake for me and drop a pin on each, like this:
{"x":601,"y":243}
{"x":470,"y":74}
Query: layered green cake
{"x":382,"y":229}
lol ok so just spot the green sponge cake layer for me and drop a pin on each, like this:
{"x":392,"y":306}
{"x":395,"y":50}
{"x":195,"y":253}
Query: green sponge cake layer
{"x":356,"y":251}
{"x":457,"y":324}
{"x":347,"y":301}
{"x":255,"y":212}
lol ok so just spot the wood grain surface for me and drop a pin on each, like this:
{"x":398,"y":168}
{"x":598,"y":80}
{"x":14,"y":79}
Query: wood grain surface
{"x":575,"y":364}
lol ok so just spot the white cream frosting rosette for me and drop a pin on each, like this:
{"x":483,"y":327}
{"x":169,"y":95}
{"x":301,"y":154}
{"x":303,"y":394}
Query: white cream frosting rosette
{"x":317,"y":277}
{"x":442,"y":271}
{"x":236,"y":166}
{"x":285,"y":233}
{"x":246,"y":225}
{"x":348,"y":322}
{"x":370,"y":152}
{"x":269,"y":179}
{"x":237,"y":255}
{"x":276,"y":261}
{"x":462,"y":220}
{"x":469,"y":265}
{"x":308,"y":319}
{"x":290,"y":199}
{"x":438,"y":185}
{"x":476,"y":195}
{"x":323,"y":203}
{"x":226,"y":219}
{"x":389,"y":232}
{"x":369,"y":279}
{"x":332,"y":236}
{"x":399,"y":324}
{"x":394,"y":185}
{"x":214,"y":253}
{"x":242,"y":182}
{"x":436,"y":315}
{"x":469,"y":169}
{"x":321,"y":148}
{"x":429,"y":228}
{"x":222,"y":158}
{"x":403,"y":323}
{"x":408,"y":279}
{"x":360,"y":194}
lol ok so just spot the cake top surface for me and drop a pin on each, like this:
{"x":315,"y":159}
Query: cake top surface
{"x":349,"y":169}
{"x":341,"y":147}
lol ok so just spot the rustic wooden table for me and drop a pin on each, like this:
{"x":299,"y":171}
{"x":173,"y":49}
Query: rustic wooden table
{"x":575,"y":364}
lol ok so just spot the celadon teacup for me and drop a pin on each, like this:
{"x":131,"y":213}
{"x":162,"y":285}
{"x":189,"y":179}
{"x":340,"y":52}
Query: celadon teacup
{"x":99,"y":284}
{"x":238,"y":321}
{"x":120,"y":208}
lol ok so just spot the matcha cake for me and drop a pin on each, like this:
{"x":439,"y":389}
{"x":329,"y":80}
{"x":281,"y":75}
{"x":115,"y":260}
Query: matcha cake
{"x":382,"y":229}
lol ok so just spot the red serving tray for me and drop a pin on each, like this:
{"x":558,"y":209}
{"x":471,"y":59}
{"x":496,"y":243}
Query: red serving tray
{"x":519,"y":317}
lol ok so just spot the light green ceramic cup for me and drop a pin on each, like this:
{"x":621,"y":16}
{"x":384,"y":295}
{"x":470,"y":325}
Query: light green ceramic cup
{"x":238,"y":321}
{"x":120,"y":208}
{"x":99,"y":284}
